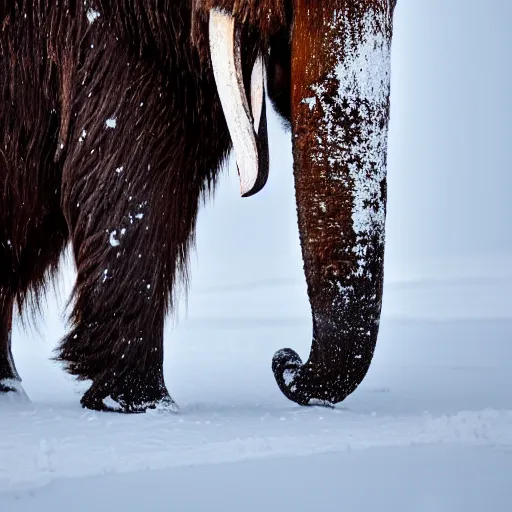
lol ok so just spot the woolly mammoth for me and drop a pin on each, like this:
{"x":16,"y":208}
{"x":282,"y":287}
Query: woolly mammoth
{"x":114,"y":120}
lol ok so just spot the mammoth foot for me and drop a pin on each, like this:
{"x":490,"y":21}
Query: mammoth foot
{"x":11,"y":390}
{"x":132,"y":393}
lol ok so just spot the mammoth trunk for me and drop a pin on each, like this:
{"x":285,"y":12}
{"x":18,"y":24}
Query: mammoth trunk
{"x":340,"y":113}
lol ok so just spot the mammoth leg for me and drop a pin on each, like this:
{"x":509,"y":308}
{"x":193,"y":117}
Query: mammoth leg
{"x":116,"y":340}
{"x":29,"y":260}
{"x":130,"y":196}
{"x":340,"y":113}
{"x":125,"y":256}
{"x":8,"y":375}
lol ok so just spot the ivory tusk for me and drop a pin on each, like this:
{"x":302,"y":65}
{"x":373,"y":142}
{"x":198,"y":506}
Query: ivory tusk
{"x":227,"y":69}
{"x":257,"y":91}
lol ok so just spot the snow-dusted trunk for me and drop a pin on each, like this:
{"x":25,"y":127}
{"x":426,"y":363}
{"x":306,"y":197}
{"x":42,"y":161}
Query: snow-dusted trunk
{"x":340,"y":113}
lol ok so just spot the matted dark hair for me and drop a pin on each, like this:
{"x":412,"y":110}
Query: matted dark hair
{"x":111,"y":131}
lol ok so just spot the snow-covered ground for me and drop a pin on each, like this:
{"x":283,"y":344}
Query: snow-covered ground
{"x":430,"y":428}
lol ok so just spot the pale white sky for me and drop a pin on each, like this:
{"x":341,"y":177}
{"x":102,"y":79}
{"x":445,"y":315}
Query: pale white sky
{"x":450,"y":160}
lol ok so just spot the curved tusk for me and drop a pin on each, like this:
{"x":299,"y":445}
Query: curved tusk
{"x":259,"y":113}
{"x":225,"y":51}
{"x":257,"y":91}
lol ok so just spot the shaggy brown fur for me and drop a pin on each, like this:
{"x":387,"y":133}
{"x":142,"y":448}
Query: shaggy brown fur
{"x":110,"y":133}
{"x":267,"y":17}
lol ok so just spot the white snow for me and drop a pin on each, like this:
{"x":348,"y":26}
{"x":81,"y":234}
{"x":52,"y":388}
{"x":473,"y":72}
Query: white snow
{"x":113,"y":240}
{"x":310,"y":102}
{"x":111,"y":123}
{"x":92,"y":15}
